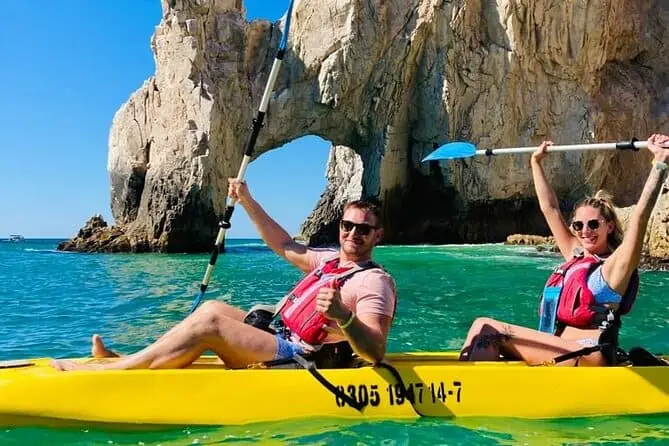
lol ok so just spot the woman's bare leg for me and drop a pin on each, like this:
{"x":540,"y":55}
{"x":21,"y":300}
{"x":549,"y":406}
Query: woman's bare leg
{"x":482,"y":344}
{"x":488,"y":338}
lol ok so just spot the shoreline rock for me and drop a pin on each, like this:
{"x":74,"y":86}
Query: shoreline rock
{"x":97,"y":237}
{"x":542,"y":243}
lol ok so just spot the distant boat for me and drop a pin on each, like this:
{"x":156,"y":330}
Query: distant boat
{"x":16,"y":238}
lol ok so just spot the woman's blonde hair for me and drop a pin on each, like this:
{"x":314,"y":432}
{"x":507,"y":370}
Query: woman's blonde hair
{"x":603,"y":201}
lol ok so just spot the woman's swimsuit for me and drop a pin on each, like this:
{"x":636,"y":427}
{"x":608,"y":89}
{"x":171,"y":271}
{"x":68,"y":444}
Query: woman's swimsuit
{"x":603,"y":294}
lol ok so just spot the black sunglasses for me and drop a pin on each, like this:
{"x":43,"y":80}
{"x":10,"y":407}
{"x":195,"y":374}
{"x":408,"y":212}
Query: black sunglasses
{"x":360,"y":228}
{"x":578,"y":225}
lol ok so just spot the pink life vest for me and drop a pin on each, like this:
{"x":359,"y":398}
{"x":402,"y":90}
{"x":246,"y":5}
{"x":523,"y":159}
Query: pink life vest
{"x":298,"y":308}
{"x":577,"y":306}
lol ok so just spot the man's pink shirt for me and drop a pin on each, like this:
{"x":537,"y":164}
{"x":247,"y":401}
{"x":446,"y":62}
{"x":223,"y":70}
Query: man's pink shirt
{"x":369,"y":291}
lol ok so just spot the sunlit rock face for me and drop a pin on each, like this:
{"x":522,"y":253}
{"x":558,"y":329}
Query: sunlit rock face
{"x":387,"y":81}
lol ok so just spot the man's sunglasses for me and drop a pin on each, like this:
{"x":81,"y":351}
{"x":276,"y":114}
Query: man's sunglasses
{"x":577,"y":225}
{"x":360,"y":228}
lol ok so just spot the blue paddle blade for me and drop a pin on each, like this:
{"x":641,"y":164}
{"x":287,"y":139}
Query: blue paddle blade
{"x":453,"y":150}
{"x":196,"y":302}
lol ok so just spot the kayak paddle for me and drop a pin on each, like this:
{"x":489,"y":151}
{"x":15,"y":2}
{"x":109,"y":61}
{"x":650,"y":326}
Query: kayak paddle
{"x":224,"y":224}
{"x":456,"y":150}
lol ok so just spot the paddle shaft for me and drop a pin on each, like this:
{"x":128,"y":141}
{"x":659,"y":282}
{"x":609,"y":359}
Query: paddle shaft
{"x":257,"y":124}
{"x":627,"y":145}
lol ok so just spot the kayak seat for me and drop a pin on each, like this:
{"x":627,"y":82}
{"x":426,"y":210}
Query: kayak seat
{"x":339,"y":355}
{"x":639,"y":356}
{"x":261,"y":316}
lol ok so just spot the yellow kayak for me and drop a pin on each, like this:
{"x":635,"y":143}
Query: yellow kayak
{"x":437,"y":385}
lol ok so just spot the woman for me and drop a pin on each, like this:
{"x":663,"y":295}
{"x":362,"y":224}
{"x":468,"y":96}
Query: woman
{"x":595,"y":286}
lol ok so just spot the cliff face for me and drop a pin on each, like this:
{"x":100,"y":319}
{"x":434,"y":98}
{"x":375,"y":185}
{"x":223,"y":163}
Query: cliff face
{"x":386,"y":81}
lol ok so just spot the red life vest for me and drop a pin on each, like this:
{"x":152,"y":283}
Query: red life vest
{"x":298,"y":308}
{"x":576,"y":304}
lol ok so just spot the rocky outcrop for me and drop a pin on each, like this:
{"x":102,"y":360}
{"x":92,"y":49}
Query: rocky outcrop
{"x":344,"y":175}
{"x":656,"y":242}
{"x":96,"y":236}
{"x":655,"y":255}
{"x":386,"y":82}
{"x":542,"y":243}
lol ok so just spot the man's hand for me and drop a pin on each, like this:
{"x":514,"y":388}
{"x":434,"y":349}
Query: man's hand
{"x":238,"y":190}
{"x":329,"y":303}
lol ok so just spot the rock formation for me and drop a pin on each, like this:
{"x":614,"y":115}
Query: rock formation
{"x":386,"y":81}
{"x":96,"y":236}
{"x":531,"y":240}
{"x":655,"y":255}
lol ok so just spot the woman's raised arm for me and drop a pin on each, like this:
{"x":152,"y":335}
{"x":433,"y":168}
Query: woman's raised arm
{"x":618,"y":268}
{"x":549,"y":205}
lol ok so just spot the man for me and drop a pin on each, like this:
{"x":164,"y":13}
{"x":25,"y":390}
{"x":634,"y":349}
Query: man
{"x":357,"y":303}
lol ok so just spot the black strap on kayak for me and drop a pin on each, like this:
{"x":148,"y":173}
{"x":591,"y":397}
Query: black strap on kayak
{"x":578,"y":353}
{"x":607,"y":344}
{"x":637,"y":356}
{"x":405,"y":391}
{"x":310,"y":366}
{"x":339,"y":393}
{"x":609,"y":347}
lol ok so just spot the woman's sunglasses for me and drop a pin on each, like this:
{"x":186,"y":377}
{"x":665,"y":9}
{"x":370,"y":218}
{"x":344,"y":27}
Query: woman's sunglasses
{"x":577,"y":225}
{"x":360,"y":228}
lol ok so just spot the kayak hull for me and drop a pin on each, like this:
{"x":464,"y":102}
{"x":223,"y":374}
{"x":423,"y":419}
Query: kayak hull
{"x":439,"y":386}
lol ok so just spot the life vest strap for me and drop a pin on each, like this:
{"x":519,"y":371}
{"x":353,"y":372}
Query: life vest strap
{"x":318,"y":272}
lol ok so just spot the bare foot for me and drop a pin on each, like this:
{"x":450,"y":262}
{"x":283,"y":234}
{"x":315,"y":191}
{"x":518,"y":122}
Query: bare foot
{"x":98,"y":349}
{"x":67,"y":366}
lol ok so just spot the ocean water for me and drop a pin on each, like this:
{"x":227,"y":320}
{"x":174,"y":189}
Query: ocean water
{"x":52,"y":302}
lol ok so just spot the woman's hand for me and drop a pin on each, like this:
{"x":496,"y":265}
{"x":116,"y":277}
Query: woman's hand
{"x":655,"y":145}
{"x":541,"y":152}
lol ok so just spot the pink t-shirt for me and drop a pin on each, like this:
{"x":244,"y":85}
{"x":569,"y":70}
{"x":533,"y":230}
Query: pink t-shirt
{"x":368,"y":291}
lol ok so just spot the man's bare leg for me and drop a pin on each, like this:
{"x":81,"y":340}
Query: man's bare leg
{"x":236,"y":343}
{"x":99,"y":350}
{"x":227,"y":310}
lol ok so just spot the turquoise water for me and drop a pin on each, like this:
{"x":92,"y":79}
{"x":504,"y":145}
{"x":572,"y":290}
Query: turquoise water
{"x":52,"y":302}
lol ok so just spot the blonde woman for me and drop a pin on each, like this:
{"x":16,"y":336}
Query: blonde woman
{"x":595,"y":286}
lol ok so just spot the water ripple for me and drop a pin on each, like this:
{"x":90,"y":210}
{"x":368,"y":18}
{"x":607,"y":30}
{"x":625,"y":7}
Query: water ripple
{"x":52,"y":303}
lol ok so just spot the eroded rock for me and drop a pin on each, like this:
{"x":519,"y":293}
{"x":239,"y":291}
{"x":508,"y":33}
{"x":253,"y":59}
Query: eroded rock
{"x":390,"y":81}
{"x":97,"y":236}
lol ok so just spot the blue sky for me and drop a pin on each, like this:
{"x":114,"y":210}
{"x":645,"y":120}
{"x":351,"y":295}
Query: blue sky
{"x":66,"y":68}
